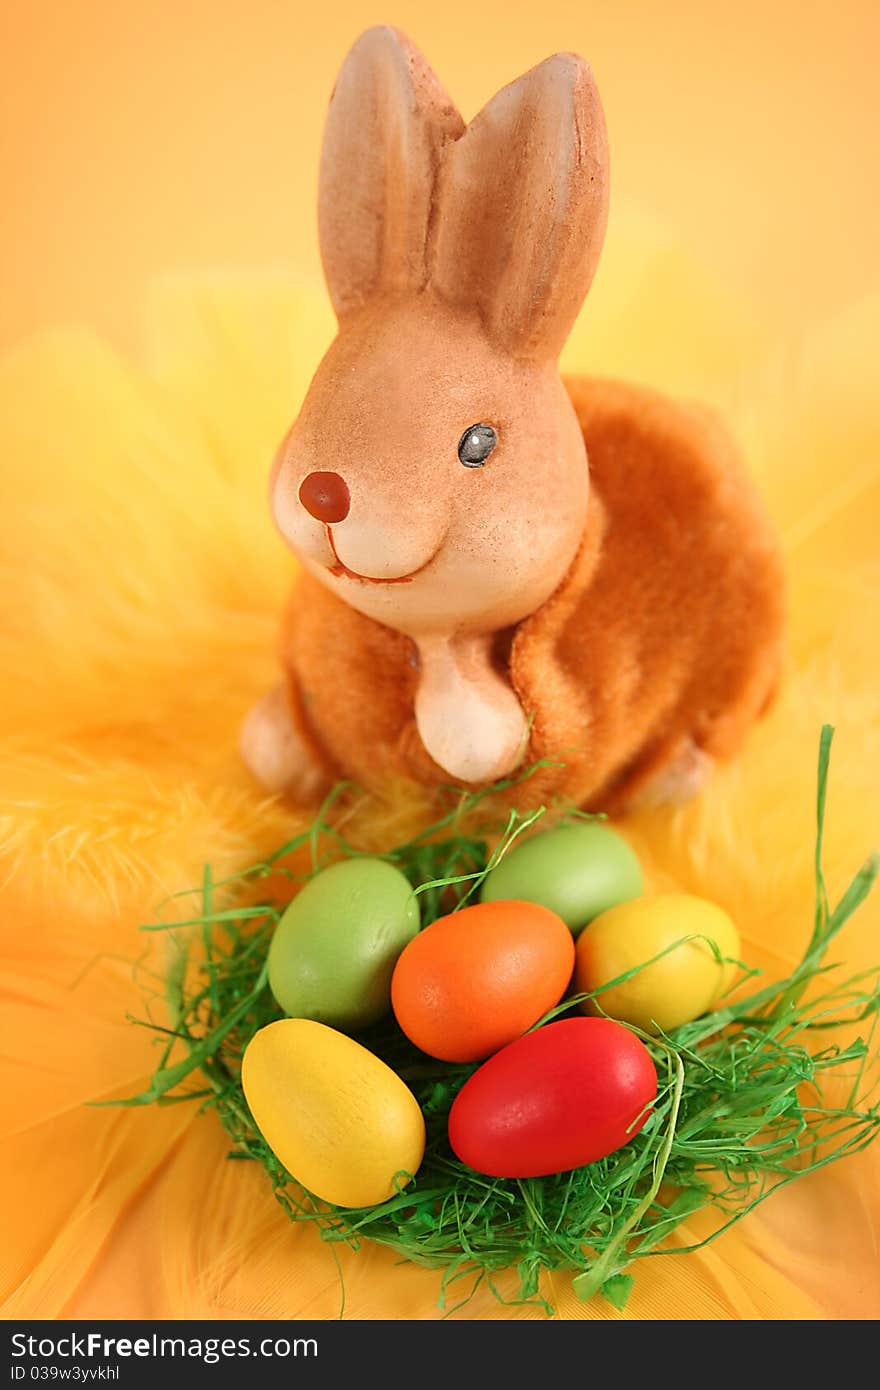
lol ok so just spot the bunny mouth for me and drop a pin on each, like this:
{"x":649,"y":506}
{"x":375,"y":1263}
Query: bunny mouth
{"x":340,"y":568}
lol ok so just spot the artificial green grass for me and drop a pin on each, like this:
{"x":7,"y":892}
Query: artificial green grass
{"x":741,"y":1108}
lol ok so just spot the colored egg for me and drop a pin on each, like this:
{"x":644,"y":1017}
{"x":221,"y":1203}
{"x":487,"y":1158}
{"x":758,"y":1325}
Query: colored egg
{"x":341,"y":1122}
{"x":565,"y":1095}
{"x":473,"y":981}
{"x":675,"y":989}
{"x":335,"y":948}
{"x":576,"y":870}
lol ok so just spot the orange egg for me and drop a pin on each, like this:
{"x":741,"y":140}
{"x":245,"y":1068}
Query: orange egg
{"x":473,"y":981}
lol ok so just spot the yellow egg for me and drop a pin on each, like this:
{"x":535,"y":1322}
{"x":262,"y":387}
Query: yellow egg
{"x":673,"y":990}
{"x":343,"y":1123}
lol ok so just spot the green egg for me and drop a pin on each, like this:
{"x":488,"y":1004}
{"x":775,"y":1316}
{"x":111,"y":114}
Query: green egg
{"x":335,"y":948}
{"x":576,"y":870}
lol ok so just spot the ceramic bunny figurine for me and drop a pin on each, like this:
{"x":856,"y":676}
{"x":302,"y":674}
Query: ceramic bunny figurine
{"x":475,"y":597}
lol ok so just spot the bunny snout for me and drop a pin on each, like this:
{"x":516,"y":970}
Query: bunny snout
{"x":348,"y":526}
{"x":326,"y":497}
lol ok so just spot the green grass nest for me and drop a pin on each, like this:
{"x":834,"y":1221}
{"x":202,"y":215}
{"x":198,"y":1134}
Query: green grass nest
{"x":741,"y":1107}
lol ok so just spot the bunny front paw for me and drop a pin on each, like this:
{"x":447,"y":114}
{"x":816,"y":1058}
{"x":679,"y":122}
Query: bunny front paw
{"x":468,"y":715}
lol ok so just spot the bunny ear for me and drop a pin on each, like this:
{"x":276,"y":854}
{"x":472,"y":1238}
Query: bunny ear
{"x":388,"y":122}
{"x":523,"y":207}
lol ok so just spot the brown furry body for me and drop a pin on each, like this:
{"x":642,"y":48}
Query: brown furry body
{"x":664,"y":637}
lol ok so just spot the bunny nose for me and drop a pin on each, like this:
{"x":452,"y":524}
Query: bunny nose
{"x":325,"y":496}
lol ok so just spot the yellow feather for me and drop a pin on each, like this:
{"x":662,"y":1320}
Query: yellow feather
{"x":140,"y":588}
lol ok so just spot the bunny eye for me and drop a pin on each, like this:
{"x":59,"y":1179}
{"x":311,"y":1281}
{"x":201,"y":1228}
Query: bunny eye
{"x":476,"y":444}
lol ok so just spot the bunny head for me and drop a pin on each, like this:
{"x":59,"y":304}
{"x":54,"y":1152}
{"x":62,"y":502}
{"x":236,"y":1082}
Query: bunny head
{"x":436,"y":477}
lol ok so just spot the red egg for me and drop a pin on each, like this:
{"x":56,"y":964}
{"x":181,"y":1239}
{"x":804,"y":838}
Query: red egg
{"x":555,"y":1099}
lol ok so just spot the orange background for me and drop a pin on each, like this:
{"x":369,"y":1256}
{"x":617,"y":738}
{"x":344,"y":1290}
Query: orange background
{"x":138,"y":560}
{"x":186,"y":133}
